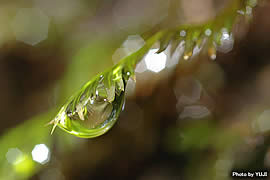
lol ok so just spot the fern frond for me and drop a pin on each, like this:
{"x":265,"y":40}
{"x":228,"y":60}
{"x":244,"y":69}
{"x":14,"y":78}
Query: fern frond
{"x":94,"y":109}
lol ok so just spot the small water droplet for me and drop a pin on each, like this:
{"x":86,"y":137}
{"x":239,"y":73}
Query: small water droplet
{"x":226,"y":41}
{"x":208,"y":32}
{"x":212,"y":53}
{"x":187,"y":55}
{"x":183,"y":33}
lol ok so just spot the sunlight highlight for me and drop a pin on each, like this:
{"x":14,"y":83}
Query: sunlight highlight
{"x":155,"y":62}
{"x":41,"y":153}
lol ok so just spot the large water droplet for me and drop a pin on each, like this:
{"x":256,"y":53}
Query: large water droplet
{"x":95,"y":109}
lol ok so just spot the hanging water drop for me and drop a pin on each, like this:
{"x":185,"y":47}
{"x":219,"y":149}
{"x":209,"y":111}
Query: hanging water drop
{"x":212,"y":52}
{"x":226,"y":41}
{"x":95,"y":108}
{"x":187,"y":55}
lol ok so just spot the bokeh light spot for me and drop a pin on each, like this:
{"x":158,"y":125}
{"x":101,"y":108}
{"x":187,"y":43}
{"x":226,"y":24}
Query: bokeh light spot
{"x":41,"y":153}
{"x":13,"y":155}
{"x":133,"y":43}
{"x":226,"y":42}
{"x":30,"y":26}
{"x":155,"y":62}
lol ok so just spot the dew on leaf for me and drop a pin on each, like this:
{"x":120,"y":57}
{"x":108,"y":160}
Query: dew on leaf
{"x":208,"y":32}
{"x":183,"y":33}
{"x":96,"y":107}
{"x":226,"y":41}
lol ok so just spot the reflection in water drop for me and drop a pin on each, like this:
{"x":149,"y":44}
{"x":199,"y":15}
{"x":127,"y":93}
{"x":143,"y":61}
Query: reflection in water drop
{"x":91,"y":112}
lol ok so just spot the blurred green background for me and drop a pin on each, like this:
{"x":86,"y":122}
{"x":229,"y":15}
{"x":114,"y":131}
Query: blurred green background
{"x":199,"y":119}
